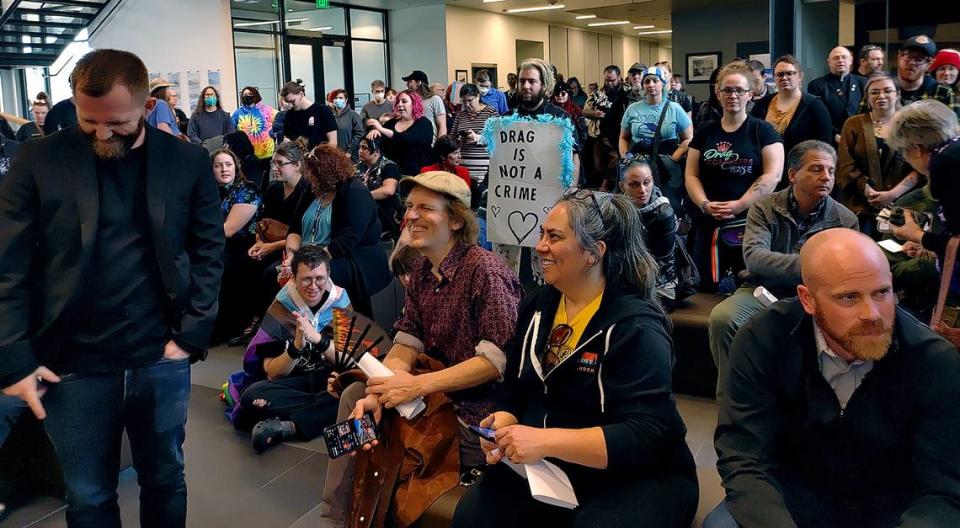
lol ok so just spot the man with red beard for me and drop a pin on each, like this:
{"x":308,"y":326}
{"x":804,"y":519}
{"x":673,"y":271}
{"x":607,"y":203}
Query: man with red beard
{"x":111,"y":239}
{"x":840,"y":408}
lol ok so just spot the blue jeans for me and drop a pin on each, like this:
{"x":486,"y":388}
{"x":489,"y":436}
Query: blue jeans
{"x":11,"y":408}
{"x":86,"y":416}
{"x":720,"y":517}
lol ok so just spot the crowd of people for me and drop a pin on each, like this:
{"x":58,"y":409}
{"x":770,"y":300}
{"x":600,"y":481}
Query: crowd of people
{"x":837,"y":406}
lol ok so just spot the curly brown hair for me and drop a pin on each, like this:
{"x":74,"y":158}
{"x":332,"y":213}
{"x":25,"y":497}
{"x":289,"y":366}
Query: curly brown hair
{"x":328,"y":168}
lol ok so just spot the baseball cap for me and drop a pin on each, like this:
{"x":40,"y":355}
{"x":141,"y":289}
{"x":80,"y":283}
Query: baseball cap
{"x":922,"y":43}
{"x":636,"y":67}
{"x":441,"y":182}
{"x":416,"y":75}
{"x":946,"y":57}
{"x":657,"y":71}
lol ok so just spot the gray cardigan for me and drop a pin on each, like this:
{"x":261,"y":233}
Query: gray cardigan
{"x":772,"y":240}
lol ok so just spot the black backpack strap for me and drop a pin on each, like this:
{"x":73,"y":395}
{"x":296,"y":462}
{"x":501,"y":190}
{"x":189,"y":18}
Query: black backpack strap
{"x":656,"y":134}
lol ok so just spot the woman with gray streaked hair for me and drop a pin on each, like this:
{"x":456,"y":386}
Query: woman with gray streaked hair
{"x":927,"y":135}
{"x":587,"y":384}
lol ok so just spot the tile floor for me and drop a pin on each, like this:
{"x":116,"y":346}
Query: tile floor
{"x":230,"y":486}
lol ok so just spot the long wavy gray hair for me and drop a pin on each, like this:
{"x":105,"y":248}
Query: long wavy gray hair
{"x":613,"y":219}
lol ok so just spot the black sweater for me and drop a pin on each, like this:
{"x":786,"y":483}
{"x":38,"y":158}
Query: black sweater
{"x":810,"y":121}
{"x":897,"y":436}
{"x":411,"y":149}
{"x":618,"y":379}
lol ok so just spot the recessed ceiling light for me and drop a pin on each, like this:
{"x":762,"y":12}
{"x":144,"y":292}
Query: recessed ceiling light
{"x":644,"y":27}
{"x":530,"y":9}
{"x":660,"y":32}
{"x":617,"y":23}
{"x":492,"y":1}
{"x":585,"y":17}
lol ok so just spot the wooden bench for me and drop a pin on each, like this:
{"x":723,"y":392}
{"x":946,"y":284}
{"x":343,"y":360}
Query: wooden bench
{"x":694,"y":373}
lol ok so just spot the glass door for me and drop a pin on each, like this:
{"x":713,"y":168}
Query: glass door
{"x":322,"y":63}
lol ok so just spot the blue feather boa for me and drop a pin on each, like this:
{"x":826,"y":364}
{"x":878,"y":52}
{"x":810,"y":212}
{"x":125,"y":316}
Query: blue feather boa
{"x":493,"y":126}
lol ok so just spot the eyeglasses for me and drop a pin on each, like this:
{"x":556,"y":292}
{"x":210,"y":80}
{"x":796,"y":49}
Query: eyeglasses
{"x":887,"y":91}
{"x":740,"y":92}
{"x":920,"y":61}
{"x":281,"y":164}
{"x":305,"y":282}
{"x":581,"y":194}
{"x":784,"y":74}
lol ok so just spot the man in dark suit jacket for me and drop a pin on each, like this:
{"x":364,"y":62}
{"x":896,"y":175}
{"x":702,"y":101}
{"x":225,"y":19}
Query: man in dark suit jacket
{"x":111,"y":238}
{"x":840,"y":90}
{"x":840,"y":409}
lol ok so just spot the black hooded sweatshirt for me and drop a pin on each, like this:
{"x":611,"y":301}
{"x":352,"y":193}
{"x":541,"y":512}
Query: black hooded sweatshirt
{"x":618,"y":378}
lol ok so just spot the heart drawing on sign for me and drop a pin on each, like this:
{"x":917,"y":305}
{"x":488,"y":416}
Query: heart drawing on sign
{"x":495,"y":209}
{"x":523,"y":223}
{"x":546,"y":210}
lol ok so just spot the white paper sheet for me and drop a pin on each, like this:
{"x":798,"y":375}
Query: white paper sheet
{"x":890,"y":245}
{"x":372,"y":367}
{"x":548,"y":483}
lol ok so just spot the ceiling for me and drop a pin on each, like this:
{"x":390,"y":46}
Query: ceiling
{"x":654,"y":13}
{"x":636,"y":12}
{"x":34,"y":32}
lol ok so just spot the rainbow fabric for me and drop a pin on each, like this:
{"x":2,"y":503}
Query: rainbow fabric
{"x":256,"y":121}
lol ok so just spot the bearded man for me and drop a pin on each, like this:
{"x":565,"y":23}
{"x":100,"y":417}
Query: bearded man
{"x":840,"y":408}
{"x":111,"y":239}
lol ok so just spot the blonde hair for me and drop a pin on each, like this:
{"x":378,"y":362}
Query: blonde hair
{"x":546,"y":72}
{"x":460,"y":212}
{"x":735,"y":68}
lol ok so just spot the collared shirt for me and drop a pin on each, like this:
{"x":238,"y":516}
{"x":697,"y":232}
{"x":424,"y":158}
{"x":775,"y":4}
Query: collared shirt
{"x":843,"y":377}
{"x":805,"y":222}
{"x":471,"y":310}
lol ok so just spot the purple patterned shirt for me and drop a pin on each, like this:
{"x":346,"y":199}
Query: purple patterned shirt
{"x":471,"y":311}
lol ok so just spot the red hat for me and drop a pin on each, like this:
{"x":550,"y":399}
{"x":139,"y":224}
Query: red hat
{"x":946,"y":57}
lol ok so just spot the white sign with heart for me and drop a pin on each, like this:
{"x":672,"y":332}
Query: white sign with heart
{"x":524,"y":180}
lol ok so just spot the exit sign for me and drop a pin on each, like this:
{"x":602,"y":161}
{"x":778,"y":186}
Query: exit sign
{"x":323,"y":4}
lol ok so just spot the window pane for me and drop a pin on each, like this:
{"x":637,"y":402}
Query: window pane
{"x":366,"y":24}
{"x":332,"y":69}
{"x":262,"y":17}
{"x":369,"y":64}
{"x":301,"y":67}
{"x":258,"y":64}
{"x":305,"y":16}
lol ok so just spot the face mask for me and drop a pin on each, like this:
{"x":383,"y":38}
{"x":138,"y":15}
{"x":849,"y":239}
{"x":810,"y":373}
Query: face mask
{"x":210,"y":100}
{"x":247,"y":100}
{"x":483,"y":91}
{"x":340,"y":103}
{"x":378,"y":97}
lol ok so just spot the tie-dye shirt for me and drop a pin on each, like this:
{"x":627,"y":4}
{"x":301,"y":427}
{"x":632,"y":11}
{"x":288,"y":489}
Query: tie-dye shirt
{"x":256,"y":122}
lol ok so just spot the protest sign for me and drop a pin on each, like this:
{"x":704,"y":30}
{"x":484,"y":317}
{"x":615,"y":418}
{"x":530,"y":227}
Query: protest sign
{"x":531,"y":164}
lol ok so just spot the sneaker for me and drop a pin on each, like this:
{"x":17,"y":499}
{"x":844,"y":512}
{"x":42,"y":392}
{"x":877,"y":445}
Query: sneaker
{"x":266,"y":434}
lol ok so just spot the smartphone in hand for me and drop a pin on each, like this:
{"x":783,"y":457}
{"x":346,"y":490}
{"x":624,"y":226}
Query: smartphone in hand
{"x":350,"y":435}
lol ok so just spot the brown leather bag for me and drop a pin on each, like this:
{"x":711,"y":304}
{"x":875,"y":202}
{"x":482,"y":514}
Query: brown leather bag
{"x":271,"y":230}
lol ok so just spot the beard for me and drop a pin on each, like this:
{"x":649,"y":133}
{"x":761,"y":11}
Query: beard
{"x":117,"y":146}
{"x":534,"y":99}
{"x":868,"y":341}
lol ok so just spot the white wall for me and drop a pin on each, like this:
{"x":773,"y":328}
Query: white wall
{"x":418,"y":41}
{"x":475,"y":36}
{"x":176,"y":36}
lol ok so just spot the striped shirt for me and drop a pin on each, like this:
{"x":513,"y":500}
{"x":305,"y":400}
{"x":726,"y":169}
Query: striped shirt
{"x":474,"y":156}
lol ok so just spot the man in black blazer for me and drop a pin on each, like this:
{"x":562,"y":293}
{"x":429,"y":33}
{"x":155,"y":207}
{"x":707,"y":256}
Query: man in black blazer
{"x":111,"y":238}
{"x":840,"y":409}
{"x":840,"y":90}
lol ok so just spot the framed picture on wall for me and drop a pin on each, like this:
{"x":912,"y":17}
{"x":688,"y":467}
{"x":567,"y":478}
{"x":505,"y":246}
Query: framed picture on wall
{"x":461,"y":76}
{"x":701,"y":65}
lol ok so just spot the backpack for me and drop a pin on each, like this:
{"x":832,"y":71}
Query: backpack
{"x":688,"y":277}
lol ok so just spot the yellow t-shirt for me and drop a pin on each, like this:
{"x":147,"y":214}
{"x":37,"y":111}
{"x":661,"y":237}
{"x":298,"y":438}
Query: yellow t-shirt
{"x":562,"y":341}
